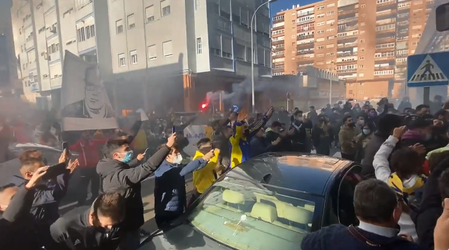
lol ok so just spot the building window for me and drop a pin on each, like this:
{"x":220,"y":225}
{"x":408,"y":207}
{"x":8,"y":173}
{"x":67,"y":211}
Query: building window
{"x":92,"y":30}
{"x":199,"y":46}
{"x":149,"y":13}
{"x":133,"y":56}
{"x":152,"y":53}
{"x":119,"y":26}
{"x":167,"y":48}
{"x":87,"y":32}
{"x":165,"y":8}
{"x":131,"y":22}
{"x":121,"y":60}
{"x":80,"y":34}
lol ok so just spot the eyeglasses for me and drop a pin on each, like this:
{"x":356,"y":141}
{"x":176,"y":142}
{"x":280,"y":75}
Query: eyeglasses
{"x":92,"y":87}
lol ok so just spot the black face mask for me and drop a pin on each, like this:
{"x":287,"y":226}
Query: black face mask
{"x":352,"y":124}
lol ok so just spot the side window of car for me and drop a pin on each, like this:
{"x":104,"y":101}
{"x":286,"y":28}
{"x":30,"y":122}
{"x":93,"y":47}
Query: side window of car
{"x":345,"y":201}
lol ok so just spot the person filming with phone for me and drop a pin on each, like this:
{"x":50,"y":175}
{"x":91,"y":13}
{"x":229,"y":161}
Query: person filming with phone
{"x":117,"y":175}
{"x":49,"y":191}
{"x":16,"y":224}
{"x":169,"y":190}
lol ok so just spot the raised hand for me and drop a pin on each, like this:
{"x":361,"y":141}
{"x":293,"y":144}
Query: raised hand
{"x":37,"y":176}
{"x":399,"y":132}
{"x":209,"y":155}
{"x":171,"y":140}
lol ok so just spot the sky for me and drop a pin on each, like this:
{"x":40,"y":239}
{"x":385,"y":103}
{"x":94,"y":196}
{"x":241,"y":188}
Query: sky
{"x":287,"y":4}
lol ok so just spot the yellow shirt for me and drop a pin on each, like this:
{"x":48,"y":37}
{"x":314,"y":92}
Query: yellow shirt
{"x":204,"y":178}
{"x":396,"y":184}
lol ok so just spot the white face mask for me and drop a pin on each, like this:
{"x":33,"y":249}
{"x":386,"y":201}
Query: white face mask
{"x":361,"y":122}
{"x":410,"y":182}
{"x":178,"y":159}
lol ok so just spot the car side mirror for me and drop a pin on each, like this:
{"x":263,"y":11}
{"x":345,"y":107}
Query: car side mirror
{"x":442,"y":17}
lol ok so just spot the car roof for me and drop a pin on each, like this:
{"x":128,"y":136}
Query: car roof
{"x":301,"y":172}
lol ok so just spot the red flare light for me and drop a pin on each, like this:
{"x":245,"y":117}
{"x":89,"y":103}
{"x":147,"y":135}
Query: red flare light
{"x":203,"y":106}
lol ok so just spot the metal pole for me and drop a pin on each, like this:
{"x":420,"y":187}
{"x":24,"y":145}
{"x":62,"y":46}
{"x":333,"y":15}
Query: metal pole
{"x":330,"y":91}
{"x":426,"y":96}
{"x":253,"y":100}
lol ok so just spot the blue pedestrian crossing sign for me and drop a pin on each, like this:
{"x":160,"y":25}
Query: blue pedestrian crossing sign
{"x":428,"y":70}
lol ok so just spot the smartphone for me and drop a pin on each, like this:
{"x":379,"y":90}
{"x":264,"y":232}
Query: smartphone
{"x":55,"y":170}
{"x":145,"y":152}
{"x":173,"y":129}
{"x":65,"y":145}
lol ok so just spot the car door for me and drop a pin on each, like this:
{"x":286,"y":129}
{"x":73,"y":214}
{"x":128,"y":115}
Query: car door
{"x":345,"y":197}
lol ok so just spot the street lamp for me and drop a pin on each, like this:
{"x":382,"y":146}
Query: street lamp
{"x":252,"y":53}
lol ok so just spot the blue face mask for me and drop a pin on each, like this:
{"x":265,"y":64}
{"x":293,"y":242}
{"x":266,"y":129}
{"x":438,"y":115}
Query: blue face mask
{"x":128,"y":157}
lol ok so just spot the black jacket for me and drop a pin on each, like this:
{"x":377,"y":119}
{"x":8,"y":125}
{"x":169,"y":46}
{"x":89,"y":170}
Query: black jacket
{"x":120,"y":177}
{"x":338,"y":237}
{"x":260,"y":145}
{"x":73,"y":231}
{"x":430,"y":209}
{"x":17,"y":229}
{"x":45,"y":208}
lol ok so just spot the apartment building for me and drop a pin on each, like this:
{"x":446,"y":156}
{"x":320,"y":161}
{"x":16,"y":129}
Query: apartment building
{"x":148,"y":50}
{"x":195,"y":45}
{"x":43,"y":30}
{"x":365,"y":42}
{"x":9,"y":84}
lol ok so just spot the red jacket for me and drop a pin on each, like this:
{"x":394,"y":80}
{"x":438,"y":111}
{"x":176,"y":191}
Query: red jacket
{"x":89,"y":151}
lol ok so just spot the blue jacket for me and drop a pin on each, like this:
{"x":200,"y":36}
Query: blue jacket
{"x":338,"y":237}
{"x":169,"y":189}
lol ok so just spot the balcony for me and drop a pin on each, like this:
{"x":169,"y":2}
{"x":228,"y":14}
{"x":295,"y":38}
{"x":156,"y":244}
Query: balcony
{"x":307,"y":57}
{"x":404,"y":6}
{"x":347,"y":60}
{"x":347,"y":35}
{"x":402,"y":38}
{"x":344,"y":54}
{"x":348,"y":28}
{"x":278,"y":55}
{"x":343,"y":12}
{"x":278,"y":19}
{"x":305,"y":45}
{"x":384,"y":58}
{"x":386,"y":21}
{"x":277,"y":42}
{"x":403,"y":23}
{"x":305,"y":13}
{"x":302,"y":37}
{"x":346,"y":71}
{"x":304,"y":52}
{"x":347,"y":45}
{"x":347,"y":20}
{"x":386,"y":3}
{"x":385,"y":12}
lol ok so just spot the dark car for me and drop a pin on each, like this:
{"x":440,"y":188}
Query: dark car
{"x":269,"y":202}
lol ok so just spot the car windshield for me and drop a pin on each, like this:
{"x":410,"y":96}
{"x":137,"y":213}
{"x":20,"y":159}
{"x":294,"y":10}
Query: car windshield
{"x":243,"y":213}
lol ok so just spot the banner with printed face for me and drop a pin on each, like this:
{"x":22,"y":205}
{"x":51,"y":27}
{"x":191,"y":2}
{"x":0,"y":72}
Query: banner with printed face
{"x":85,"y":103}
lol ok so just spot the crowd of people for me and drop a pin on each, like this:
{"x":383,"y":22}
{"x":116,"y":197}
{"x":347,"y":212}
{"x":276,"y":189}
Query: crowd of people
{"x":404,"y":154}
